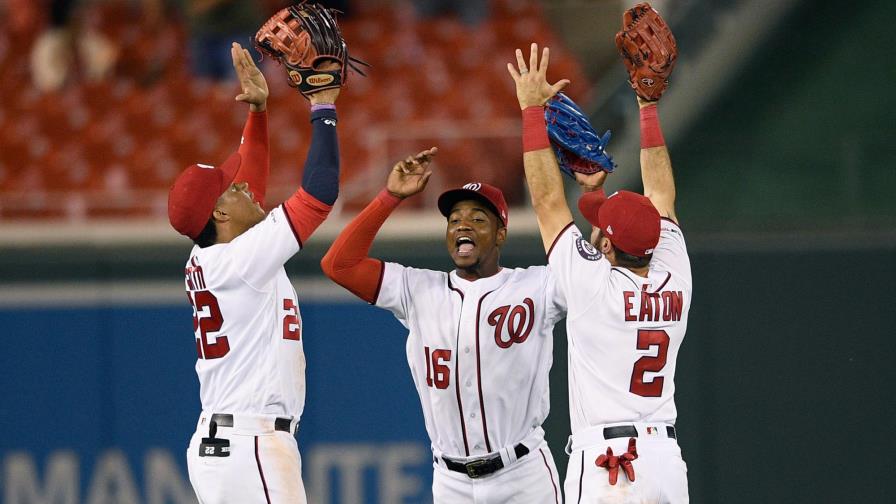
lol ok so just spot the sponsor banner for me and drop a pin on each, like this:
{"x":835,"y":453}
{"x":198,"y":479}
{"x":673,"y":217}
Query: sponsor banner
{"x":100,"y":400}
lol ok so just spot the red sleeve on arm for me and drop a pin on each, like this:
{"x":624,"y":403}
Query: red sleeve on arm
{"x":256,"y":159}
{"x":305,"y":214}
{"x":347,"y":262}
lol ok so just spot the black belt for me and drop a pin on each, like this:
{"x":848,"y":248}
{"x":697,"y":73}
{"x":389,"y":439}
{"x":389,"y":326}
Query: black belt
{"x":483,"y":467}
{"x":226,"y":420}
{"x":630,"y":431}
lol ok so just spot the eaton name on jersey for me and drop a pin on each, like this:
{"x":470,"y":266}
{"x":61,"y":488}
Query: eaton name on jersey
{"x":653,"y":307}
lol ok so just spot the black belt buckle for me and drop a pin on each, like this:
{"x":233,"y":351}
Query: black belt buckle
{"x":473,"y":468}
{"x":212,"y":446}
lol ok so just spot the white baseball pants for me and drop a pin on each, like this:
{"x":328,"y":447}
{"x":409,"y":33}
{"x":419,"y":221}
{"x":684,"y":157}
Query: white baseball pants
{"x":264,"y":466}
{"x":533,"y":479}
{"x":661,"y":475}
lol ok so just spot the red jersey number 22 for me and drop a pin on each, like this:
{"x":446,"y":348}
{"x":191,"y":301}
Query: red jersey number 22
{"x":208,"y":322}
{"x":212,"y":320}
{"x":648,"y":338}
{"x":291,"y":328}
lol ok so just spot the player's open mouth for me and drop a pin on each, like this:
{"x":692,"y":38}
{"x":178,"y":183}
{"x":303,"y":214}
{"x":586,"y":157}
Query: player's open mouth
{"x":465,"y":246}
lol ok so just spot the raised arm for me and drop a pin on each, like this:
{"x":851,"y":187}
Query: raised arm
{"x":539,"y":161}
{"x":311,"y":204}
{"x":649,"y":53}
{"x":254,"y":149}
{"x":656,"y":167}
{"x":347,"y":262}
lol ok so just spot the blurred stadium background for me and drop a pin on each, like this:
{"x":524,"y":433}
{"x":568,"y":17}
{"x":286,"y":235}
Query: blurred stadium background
{"x":779,"y":125}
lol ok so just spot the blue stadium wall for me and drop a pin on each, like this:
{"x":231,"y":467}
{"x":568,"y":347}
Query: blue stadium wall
{"x":99,"y":404}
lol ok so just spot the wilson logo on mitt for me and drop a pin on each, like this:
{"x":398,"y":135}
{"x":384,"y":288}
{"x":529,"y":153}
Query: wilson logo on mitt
{"x":306,"y":39}
{"x":319,"y":80}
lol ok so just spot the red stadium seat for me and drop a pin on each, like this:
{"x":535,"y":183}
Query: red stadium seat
{"x":433,"y":82}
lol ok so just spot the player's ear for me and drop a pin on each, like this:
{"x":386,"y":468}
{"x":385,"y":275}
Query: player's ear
{"x":604,"y":245}
{"x":500,"y":236}
{"x":220,"y":215}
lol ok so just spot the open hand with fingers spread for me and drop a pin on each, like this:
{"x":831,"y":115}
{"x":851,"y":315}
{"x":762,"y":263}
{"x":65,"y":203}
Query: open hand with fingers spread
{"x":532,"y":87}
{"x":252,"y":82}
{"x":409,"y":177}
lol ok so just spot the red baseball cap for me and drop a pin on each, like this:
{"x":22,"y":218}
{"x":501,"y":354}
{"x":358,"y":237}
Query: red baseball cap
{"x":192,"y":198}
{"x":489,"y":194}
{"x":629,"y":220}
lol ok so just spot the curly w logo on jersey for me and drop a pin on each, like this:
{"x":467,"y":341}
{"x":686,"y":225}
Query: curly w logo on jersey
{"x":518,"y":321}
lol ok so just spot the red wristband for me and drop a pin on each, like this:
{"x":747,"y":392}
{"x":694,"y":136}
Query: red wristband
{"x":535,"y":132}
{"x":651,"y":134}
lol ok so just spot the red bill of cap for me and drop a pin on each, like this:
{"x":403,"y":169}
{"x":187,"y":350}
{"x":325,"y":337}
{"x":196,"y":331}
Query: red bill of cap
{"x":589,"y":204}
{"x":630,"y":221}
{"x":486,"y":193}
{"x":195,"y":192}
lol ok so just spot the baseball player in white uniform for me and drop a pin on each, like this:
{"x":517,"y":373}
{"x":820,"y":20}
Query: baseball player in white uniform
{"x":479,"y":341}
{"x":248,"y":328}
{"x":628,"y":291}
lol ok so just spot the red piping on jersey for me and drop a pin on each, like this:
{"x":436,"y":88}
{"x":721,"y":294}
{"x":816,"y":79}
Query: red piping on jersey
{"x":672,"y":221}
{"x":551,"y":474}
{"x":488,"y":445}
{"x":581,"y":474}
{"x":264,"y":483}
{"x":460,"y":406}
{"x":617,"y":270}
{"x":455,"y":289}
{"x":668,"y":276}
{"x":379,"y":282}
{"x":292,"y":226}
{"x":556,"y":239}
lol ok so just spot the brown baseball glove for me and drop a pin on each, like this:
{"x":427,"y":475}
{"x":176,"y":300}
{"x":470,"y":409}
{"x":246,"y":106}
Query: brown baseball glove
{"x":648,"y":50}
{"x":304,"y":38}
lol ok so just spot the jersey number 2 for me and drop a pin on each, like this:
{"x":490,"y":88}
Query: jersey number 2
{"x":646,"y":339}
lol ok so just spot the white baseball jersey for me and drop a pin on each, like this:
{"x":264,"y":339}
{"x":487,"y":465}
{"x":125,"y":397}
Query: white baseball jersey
{"x":624,"y":330}
{"x":247,"y":323}
{"x":479,"y":352}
